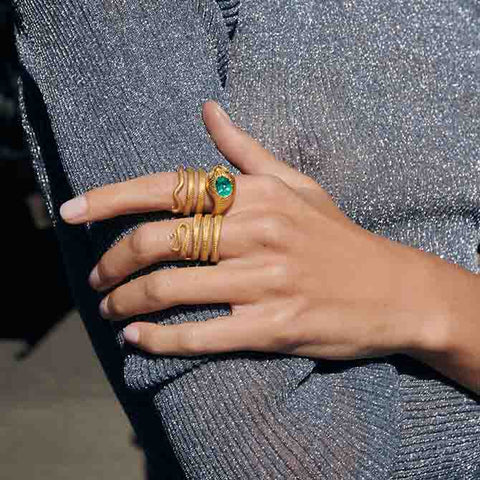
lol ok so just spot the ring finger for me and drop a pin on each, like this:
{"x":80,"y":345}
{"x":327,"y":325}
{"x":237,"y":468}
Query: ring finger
{"x":152,"y":243}
{"x":163,"y":289}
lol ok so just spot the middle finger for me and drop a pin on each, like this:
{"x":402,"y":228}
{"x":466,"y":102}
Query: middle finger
{"x":151,"y":243}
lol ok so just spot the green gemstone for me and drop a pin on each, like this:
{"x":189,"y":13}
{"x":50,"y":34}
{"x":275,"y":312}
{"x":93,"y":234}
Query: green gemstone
{"x":224,"y":186}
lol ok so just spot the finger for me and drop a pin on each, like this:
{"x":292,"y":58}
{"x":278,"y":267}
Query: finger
{"x":221,"y":334}
{"x":245,"y":152}
{"x":147,"y":193}
{"x":181,"y":286}
{"x":151,"y":243}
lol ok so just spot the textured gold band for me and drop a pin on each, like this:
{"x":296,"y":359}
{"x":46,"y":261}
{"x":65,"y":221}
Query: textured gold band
{"x":177,"y":203}
{"x":192,"y":201}
{"x":219,"y":183}
{"x":202,"y":190}
{"x":217,"y":228}
{"x":190,"y":191}
{"x":177,"y":245}
{"x":205,"y":234}
{"x":221,"y":187}
{"x":206,"y":228}
{"x":197,"y":222}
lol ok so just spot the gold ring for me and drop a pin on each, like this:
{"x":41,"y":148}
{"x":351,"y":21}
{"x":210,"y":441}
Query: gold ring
{"x":202,"y":185}
{"x":205,"y":239}
{"x":192,"y":202}
{"x":206,"y":224}
{"x":190,"y":191}
{"x":217,"y":227}
{"x":177,"y":245}
{"x":221,"y":188}
{"x":177,"y":202}
{"x":197,"y":222}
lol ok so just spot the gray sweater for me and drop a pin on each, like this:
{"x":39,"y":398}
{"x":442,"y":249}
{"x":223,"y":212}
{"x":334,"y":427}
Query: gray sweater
{"x":377,"y":100}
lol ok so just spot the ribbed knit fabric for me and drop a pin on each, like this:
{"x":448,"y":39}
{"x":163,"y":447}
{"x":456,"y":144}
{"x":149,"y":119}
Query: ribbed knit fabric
{"x":378,"y":100}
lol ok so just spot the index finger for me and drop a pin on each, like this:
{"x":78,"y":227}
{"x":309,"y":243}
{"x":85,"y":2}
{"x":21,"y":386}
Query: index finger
{"x":147,"y":193}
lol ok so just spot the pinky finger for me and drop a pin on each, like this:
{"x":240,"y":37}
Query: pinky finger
{"x":221,"y":334}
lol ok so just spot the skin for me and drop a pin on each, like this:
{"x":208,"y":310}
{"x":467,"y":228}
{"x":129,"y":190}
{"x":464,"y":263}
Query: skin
{"x":301,"y":277}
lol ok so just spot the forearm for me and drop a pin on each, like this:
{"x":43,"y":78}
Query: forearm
{"x":445,"y":333}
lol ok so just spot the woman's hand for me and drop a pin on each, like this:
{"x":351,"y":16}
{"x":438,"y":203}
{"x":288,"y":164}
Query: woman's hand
{"x":300,"y":276}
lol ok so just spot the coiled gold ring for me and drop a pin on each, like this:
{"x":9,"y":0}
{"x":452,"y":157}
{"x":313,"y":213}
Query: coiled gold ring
{"x":219,"y":183}
{"x":200,"y":239}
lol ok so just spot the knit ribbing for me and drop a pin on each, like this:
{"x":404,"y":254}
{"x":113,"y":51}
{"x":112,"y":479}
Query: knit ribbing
{"x":376,"y":100}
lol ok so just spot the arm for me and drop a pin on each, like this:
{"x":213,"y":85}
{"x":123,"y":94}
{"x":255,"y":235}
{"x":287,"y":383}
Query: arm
{"x":448,"y":338}
{"x":109,"y":97}
{"x":122,"y":93}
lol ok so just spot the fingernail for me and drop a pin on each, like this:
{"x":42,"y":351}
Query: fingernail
{"x":104,"y":312}
{"x":94,"y":278}
{"x":223,"y":113}
{"x":131,"y":334}
{"x":74,"y":208}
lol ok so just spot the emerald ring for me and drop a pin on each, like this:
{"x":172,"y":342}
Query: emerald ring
{"x":221,"y":188}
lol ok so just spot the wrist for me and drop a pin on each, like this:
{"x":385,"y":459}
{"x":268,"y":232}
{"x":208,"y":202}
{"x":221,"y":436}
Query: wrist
{"x":437,"y":315}
{"x":422,"y":317}
{"x":446,"y":301}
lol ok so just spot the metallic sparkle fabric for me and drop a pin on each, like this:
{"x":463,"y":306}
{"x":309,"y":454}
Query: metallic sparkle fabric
{"x":378,"y":100}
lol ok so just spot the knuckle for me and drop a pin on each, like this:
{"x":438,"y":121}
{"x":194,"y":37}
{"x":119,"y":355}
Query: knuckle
{"x":271,"y":186}
{"x":154,"y":185}
{"x":280,"y":278}
{"x":142,"y":240}
{"x":114,"y":306}
{"x":106,"y":271}
{"x":272,"y":228}
{"x":153,"y":288}
{"x":189,"y":342}
{"x":283,"y":336}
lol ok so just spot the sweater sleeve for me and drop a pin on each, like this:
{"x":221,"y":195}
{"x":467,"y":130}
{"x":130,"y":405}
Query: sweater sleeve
{"x":111,"y":90}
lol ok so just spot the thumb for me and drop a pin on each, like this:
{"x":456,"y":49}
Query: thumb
{"x":238,"y":147}
{"x":246,"y":153}
{"x":250,"y":157}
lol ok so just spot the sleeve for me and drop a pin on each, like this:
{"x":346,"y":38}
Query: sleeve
{"x":111,"y":90}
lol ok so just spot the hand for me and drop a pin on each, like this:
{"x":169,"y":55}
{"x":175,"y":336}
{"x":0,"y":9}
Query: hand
{"x":300,"y":276}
